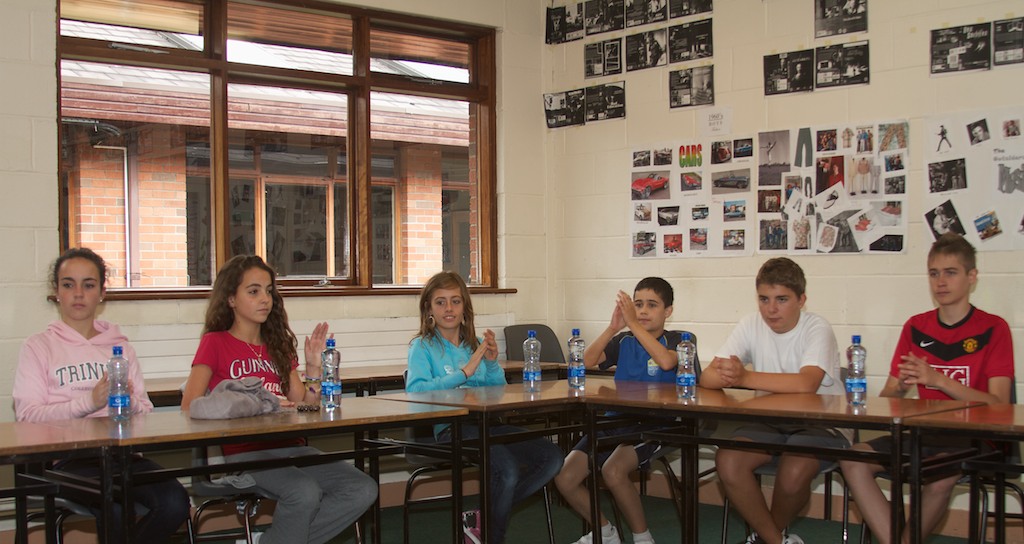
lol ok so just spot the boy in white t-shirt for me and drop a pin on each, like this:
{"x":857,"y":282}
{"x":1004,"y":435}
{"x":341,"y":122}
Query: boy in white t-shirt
{"x":780,"y":350}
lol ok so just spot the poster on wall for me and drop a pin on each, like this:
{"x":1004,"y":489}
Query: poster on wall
{"x":841,"y":65}
{"x":606,"y":101}
{"x":602,"y":58}
{"x":603,"y":16}
{"x":788,"y":72}
{"x":564,"y":23}
{"x":685,"y":8}
{"x":974,"y":170}
{"x":642,"y":12}
{"x":807,"y":190}
{"x":691,"y":87}
{"x":565,"y":108}
{"x":1008,"y":41}
{"x":646,"y":50}
{"x":832,"y":17}
{"x":961,"y":48}
{"x":690,"y":41}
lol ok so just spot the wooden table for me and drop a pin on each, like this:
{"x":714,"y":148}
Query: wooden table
{"x":160,"y":431}
{"x":746,"y":405}
{"x":23,"y":443}
{"x":361,"y":380}
{"x":487,"y":403}
{"x":1000,"y":422}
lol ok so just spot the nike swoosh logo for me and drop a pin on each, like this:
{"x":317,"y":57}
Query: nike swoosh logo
{"x":926,"y":344}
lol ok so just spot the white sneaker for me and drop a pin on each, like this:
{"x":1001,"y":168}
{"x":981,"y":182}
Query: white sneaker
{"x":753,"y":539}
{"x":256,"y":536}
{"x":607,"y":537}
{"x":792,"y":539}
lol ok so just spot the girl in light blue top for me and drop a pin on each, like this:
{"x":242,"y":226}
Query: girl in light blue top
{"x":446,"y":354}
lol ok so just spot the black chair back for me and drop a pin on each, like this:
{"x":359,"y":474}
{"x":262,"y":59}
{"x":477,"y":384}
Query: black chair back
{"x":550,"y":345}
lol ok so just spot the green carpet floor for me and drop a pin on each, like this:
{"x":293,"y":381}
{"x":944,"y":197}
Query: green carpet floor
{"x":431,"y":525}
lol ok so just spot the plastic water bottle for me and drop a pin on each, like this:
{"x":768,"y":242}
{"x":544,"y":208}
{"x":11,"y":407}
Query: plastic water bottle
{"x":577,"y":372}
{"x":119,"y":402}
{"x":856,"y":382}
{"x":531,"y":363}
{"x":330,"y":382}
{"x":686,"y":376}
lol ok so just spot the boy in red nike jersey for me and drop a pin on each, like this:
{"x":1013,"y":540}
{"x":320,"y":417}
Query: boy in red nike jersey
{"x":955,"y":351}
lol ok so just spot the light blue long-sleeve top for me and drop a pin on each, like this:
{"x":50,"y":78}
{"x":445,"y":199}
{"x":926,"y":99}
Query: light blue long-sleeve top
{"x":437,"y":364}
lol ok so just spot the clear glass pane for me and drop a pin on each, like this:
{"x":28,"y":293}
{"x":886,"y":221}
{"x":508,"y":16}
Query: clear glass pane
{"x":298,"y":165}
{"x":342,"y":243}
{"x":297,"y":229}
{"x":436,"y":216}
{"x":418,"y":56}
{"x":383,"y":206}
{"x":293,"y":39}
{"x":160,"y":23}
{"x":133,"y":193}
{"x":242,"y":216}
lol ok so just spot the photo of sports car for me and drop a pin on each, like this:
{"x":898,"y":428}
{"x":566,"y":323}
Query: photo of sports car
{"x":739,"y":182}
{"x":643,"y":187}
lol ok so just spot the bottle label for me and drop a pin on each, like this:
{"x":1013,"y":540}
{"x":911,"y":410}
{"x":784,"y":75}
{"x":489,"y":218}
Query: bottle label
{"x":686,"y":380}
{"x":577,"y":371}
{"x":119,"y":401}
{"x":531,"y":375}
{"x":856,"y":385}
{"x":328,"y":389}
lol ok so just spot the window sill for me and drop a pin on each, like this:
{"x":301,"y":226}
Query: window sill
{"x":287,"y":292}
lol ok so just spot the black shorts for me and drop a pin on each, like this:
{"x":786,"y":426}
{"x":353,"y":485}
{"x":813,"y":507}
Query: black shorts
{"x":645,"y":451}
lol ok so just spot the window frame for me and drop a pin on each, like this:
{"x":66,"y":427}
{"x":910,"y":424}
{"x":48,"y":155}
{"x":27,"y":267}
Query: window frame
{"x":480,"y":91}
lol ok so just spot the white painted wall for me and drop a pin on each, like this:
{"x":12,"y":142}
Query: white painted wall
{"x":563,"y":236}
{"x":587,"y":221}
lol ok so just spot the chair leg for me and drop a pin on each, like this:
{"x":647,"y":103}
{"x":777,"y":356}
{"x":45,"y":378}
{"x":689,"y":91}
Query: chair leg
{"x":828,"y":496}
{"x":359,"y":532}
{"x":547,"y":513}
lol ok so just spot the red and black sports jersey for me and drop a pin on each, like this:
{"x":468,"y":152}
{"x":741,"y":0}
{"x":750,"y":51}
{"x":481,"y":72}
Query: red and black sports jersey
{"x":970,"y":352}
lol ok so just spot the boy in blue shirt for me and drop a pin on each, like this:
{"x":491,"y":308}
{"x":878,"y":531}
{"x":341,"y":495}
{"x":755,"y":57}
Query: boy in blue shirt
{"x":646,"y":352}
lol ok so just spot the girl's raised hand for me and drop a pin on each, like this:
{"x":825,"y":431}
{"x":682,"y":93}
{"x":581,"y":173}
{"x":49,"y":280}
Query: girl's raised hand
{"x":312,"y":347}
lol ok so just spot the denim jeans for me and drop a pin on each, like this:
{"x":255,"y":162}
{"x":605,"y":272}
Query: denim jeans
{"x":518,"y":470}
{"x":165,"y":503}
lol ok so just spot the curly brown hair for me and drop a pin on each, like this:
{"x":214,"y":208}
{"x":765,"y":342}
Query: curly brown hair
{"x":447,"y":280}
{"x":276,"y":334}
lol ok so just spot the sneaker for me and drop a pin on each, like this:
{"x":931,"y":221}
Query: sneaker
{"x":256,"y":536}
{"x":792,"y":539}
{"x":471,"y":527}
{"x":607,"y":537}
{"x":753,"y":539}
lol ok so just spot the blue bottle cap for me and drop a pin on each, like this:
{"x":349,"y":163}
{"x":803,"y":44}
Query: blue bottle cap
{"x":330,"y":342}
{"x":531,"y":334}
{"x":575,"y":332}
{"x":118,"y":351}
{"x":687,"y":337}
{"x":856,"y":339}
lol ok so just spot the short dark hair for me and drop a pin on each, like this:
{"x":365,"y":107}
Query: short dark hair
{"x":952,"y":243}
{"x":782,"y":271}
{"x":79,"y":253}
{"x":660,"y":287}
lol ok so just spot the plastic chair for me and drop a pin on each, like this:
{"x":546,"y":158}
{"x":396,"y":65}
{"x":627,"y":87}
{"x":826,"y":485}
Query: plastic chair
{"x":550,"y":345}
{"x":246,"y":502}
{"x":426,"y":464}
{"x":64,"y":509}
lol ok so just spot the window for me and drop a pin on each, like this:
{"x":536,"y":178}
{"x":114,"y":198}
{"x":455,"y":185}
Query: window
{"x":343,"y":161}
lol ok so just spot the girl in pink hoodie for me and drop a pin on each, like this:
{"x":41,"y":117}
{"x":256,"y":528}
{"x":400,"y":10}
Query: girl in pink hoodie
{"x":62,"y":375}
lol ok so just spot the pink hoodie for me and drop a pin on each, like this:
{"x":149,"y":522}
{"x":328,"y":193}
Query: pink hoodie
{"x":58,"y":368}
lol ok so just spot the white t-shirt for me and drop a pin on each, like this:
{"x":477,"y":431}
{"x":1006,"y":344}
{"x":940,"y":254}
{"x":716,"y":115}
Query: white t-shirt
{"x":810,"y":343}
